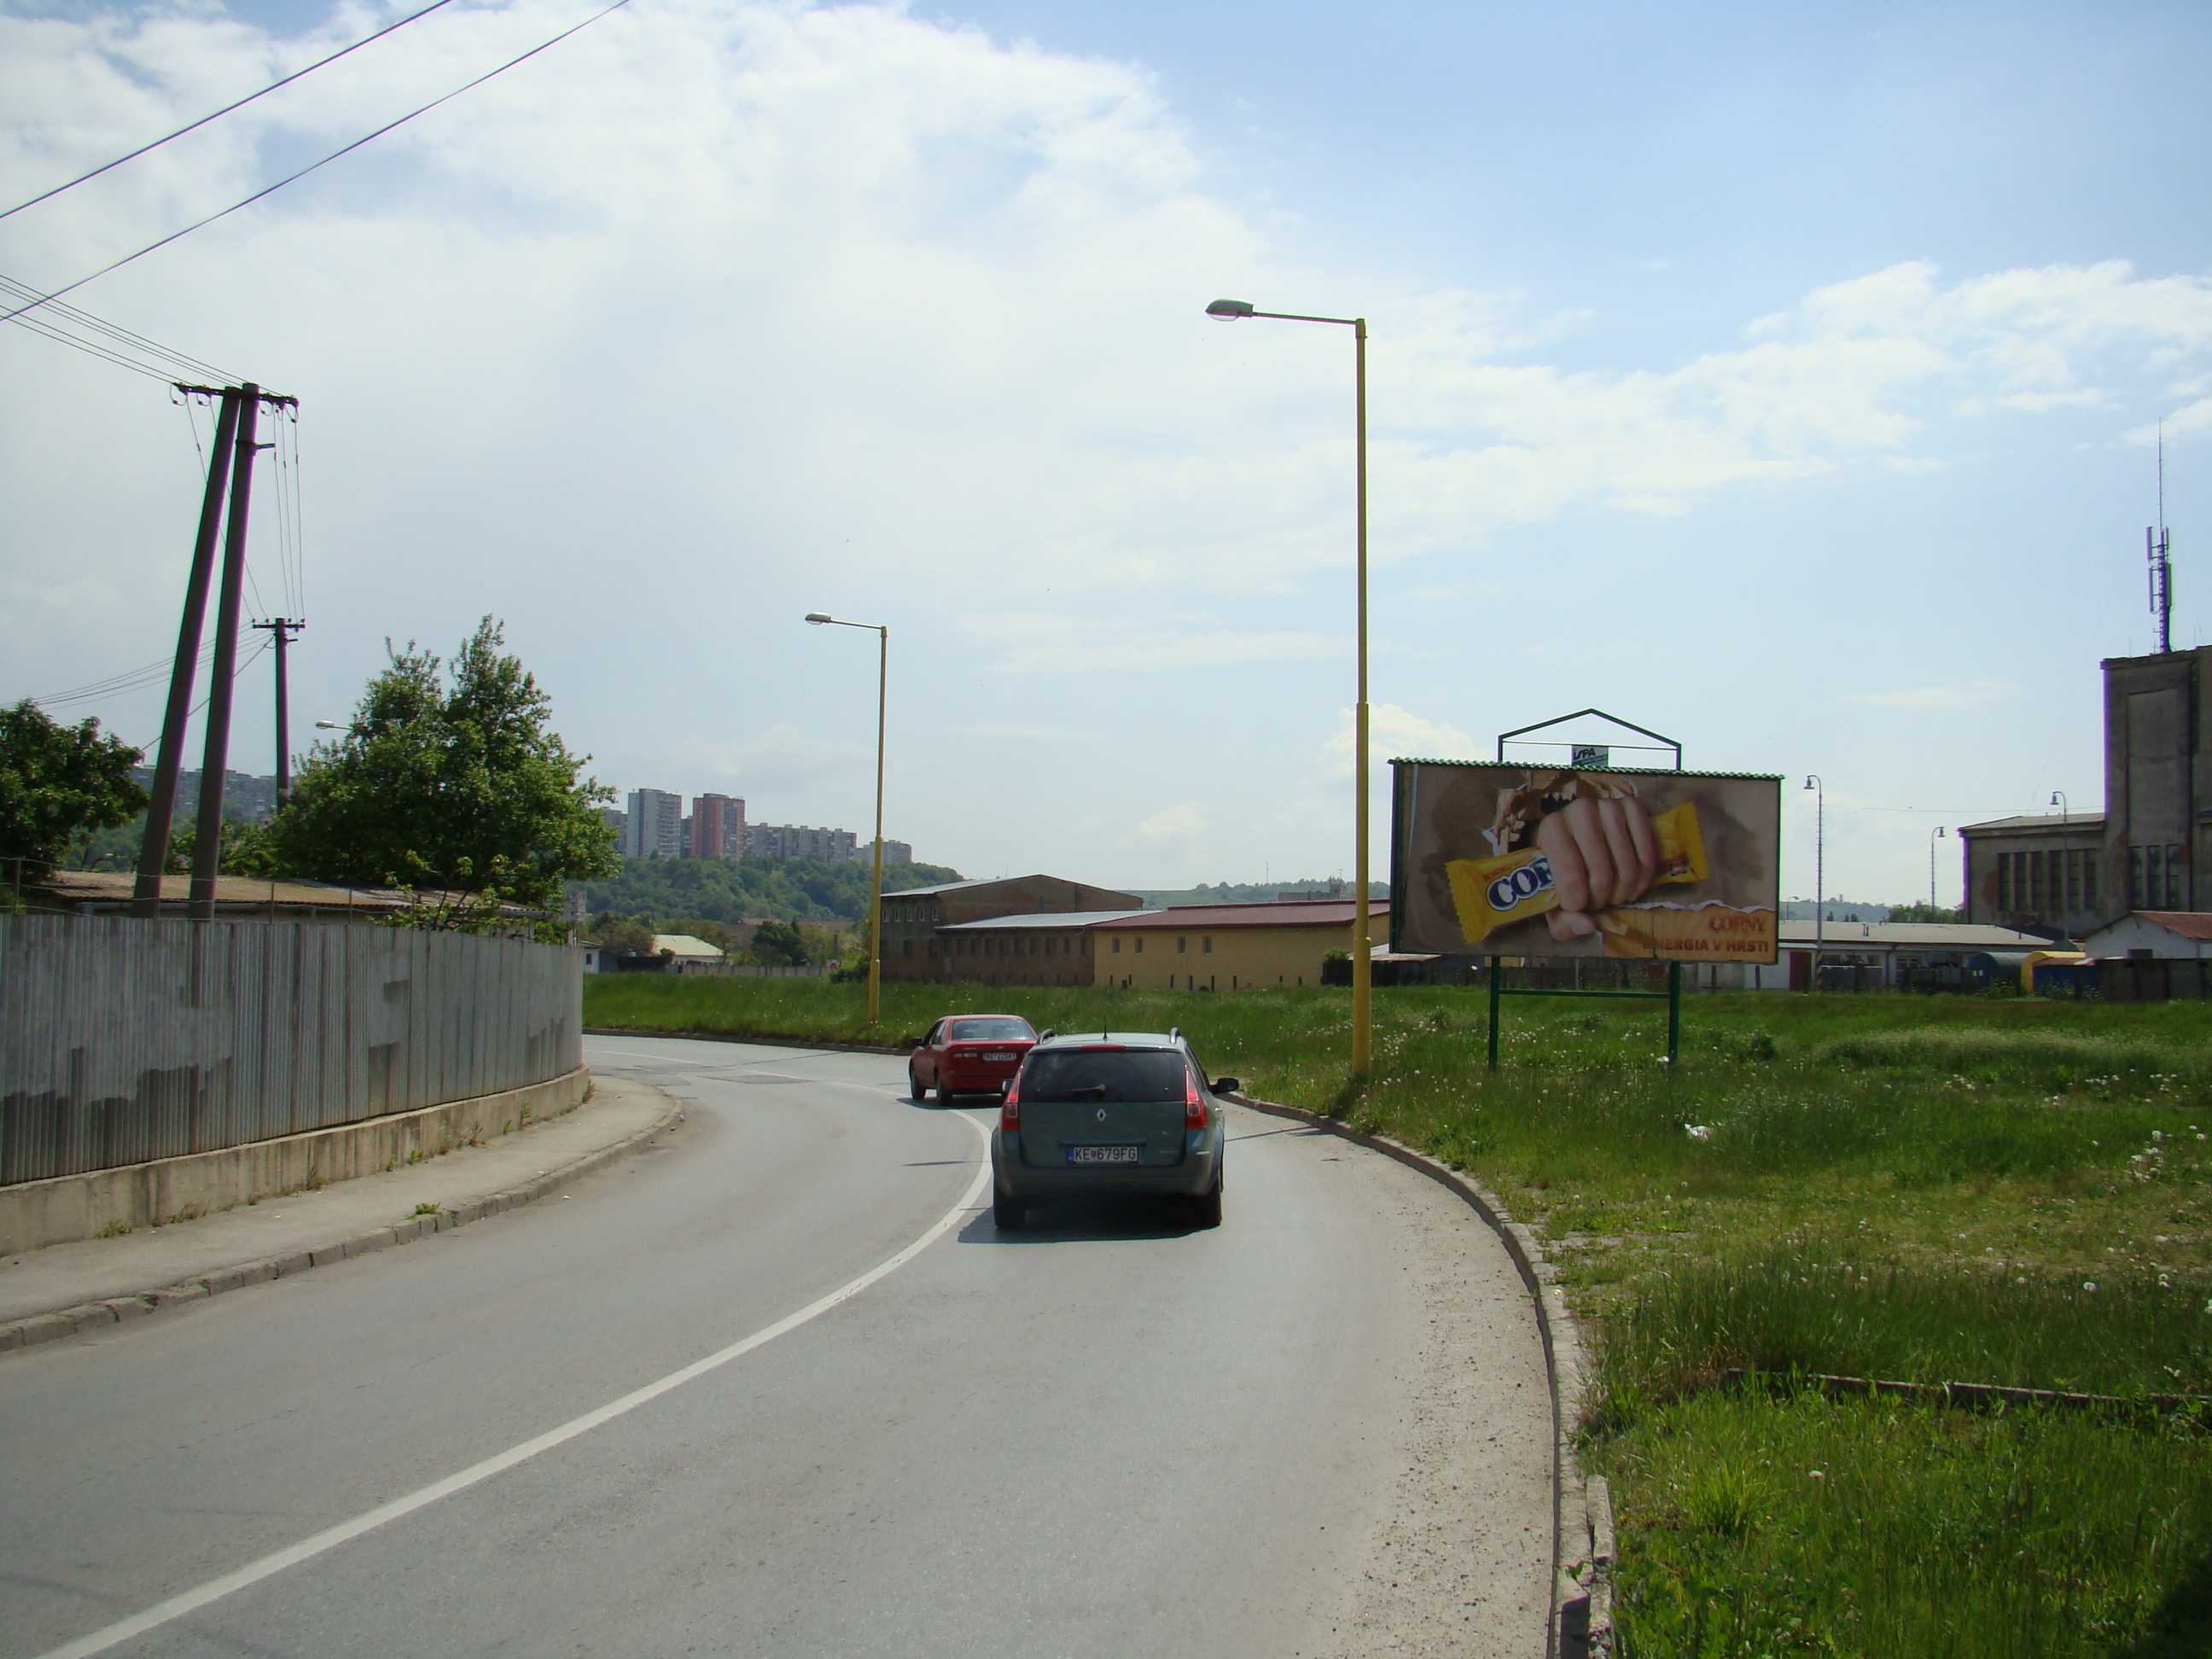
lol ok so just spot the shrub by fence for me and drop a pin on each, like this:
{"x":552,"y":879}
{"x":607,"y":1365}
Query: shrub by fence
{"x":123,"y":1040}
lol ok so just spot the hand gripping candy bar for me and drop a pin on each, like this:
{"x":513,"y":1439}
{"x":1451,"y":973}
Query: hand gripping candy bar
{"x":1496,"y":892}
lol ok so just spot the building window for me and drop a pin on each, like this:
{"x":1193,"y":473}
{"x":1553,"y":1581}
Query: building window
{"x":1117,"y":945}
{"x":2135,"y":878}
{"x":1206,"y":946}
{"x":2057,"y":861}
{"x":2033,"y":903}
{"x":2154,"y":876}
{"x":2174,"y":877}
{"x":2004,"y":883}
{"x":2089,"y":862}
{"x":906,"y":947}
{"x":1141,"y":947}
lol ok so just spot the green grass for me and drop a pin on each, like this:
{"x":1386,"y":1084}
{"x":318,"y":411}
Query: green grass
{"x":1930,"y":1189}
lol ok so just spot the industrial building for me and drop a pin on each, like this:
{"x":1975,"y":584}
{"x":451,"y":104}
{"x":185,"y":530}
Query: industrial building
{"x":2067,"y":874}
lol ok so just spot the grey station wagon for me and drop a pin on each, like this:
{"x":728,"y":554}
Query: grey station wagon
{"x":1105,"y":1112}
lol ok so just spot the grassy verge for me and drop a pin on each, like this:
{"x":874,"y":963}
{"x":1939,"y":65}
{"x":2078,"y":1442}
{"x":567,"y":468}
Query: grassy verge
{"x":1940,"y":1189}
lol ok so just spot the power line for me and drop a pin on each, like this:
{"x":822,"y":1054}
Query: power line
{"x":195,"y":126}
{"x":119,"y":337}
{"x":270,"y":190}
{"x":37,"y":326}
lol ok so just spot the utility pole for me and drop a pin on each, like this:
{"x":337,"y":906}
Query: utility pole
{"x":153,"y":850}
{"x":281,"y":630}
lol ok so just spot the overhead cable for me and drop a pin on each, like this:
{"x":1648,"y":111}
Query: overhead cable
{"x":82,"y":178}
{"x":270,"y":190}
{"x":113,"y":341}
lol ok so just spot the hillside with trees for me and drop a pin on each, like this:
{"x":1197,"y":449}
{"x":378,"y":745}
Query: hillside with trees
{"x":657,"y":889}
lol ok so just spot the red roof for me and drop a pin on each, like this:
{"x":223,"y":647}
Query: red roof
{"x":2190,"y":924}
{"x":1282,"y":913}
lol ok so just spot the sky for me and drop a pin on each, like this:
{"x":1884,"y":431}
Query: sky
{"x":1787,"y":384}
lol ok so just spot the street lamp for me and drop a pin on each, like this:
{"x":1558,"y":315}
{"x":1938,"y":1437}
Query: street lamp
{"x":1820,"y":872}
{"x":2058,"y":800}
{"x":876,"y":888}
{"x":1935,"y":837}
{"x":1230,"y":311}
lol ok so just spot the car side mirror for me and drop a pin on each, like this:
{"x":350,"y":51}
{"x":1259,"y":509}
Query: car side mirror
{"x":922,"y":1043}
{"x":1225,"y":1085}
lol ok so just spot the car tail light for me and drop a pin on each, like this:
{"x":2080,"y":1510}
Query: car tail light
{"x":1010,"y":1108}
{"x":1194,"y":1106}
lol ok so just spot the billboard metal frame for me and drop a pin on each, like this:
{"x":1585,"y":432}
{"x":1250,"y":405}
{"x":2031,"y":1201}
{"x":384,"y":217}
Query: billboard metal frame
{"x":1672,"y":996}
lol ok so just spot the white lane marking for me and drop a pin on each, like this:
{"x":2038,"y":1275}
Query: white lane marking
{"x":215,"y":1589}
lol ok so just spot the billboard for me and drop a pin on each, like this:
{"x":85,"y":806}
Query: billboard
{"x":1511,"y":860}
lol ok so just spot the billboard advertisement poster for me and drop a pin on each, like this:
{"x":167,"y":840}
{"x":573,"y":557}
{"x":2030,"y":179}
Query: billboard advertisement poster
{"x":1536,"y":861}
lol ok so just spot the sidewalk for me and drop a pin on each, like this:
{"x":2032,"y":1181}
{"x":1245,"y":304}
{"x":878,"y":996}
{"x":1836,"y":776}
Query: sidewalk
{"x":63,"y":1288}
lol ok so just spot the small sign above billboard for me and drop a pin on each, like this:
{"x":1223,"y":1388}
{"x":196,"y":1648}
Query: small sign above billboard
{"x":1591,"y":754}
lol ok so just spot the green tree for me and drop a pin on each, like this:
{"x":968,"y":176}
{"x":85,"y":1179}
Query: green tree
{"x":778,"y":945}
{"x":624,"y":934}
{"x":247,"y":849}
{"x":59,"y":784}
{"x":463,"y":790}
{"x":1919,"y":912}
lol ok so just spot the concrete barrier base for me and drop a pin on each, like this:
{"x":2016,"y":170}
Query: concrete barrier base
{"x":34,"y":1213}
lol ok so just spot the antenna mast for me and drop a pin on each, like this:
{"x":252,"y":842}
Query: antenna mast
{"x":2155,"y":547}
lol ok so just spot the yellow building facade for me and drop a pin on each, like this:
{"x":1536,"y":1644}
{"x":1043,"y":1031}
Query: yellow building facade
{"x":1229,"y":947}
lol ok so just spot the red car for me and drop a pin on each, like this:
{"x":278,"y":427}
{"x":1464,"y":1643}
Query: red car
{"x":969,"y":1055}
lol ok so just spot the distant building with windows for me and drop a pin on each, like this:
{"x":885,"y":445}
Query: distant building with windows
{"x":895,"y":852}
{"x":656,"y":824}
{"x":2068,"y":874}
{"x":798,"y":840}
{"x":718,"y":827}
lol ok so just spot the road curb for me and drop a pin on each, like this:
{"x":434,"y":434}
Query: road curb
{"x":783,"y":1040}
{"x":1581,"y":1514}
{"x":36,"y":1328}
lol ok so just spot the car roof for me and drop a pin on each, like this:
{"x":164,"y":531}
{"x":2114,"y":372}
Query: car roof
{"x":1126,"y":1039}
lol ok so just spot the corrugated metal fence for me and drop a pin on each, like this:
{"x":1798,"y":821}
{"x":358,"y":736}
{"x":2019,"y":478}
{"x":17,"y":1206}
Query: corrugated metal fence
{"x":125,"y":1039}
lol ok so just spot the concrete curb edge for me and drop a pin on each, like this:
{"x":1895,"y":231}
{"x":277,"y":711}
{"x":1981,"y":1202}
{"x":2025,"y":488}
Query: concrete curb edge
{"x":1581,"y":1517}
{"x":35,"y":1329}
{"x":780,"y":1040}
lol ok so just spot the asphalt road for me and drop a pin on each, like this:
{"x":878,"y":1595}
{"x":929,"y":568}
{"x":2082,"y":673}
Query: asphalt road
{"x":781,"y":1386}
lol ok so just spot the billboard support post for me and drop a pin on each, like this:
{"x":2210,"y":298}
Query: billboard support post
{"x":1673,"y":993}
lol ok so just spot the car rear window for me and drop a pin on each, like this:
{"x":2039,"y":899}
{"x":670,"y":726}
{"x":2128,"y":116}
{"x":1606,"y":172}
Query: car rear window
{"x":991,"y":1030}
{"x":1146,"y":1074}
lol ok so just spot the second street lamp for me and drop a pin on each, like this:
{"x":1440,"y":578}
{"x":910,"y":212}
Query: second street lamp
{"x":1819,"y":872}
{"x":876,"y":886}
{"x":1230,"y":311}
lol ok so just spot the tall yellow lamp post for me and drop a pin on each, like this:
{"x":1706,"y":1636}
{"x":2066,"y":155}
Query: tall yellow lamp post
{"x":1362,"y":948}
{"x":876,"y":889}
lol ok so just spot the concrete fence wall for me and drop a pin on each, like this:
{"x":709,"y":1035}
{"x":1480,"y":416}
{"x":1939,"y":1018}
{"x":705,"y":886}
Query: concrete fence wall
{"x":122,"y":1041}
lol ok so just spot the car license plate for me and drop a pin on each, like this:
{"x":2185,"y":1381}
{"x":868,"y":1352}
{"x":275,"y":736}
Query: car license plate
{"x":1000,"y":1054}
{"x":1104,"y":1154}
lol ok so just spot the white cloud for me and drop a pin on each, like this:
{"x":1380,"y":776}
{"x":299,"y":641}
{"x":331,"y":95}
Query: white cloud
{"x":2188,"y":420}
{"x":1180,"y":822}
{"x":1395,"y":731}
{"x":1925,"y":699}
{"x":1018,"y":643}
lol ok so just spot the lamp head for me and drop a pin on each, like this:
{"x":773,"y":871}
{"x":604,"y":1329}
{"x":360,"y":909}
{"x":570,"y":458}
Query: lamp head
{"x":1228,"y":310}
{"x":1941,"y":831}
{"x":1812,"y":783}
{"x":328,"y":726}
{"x":2054,"y":798}
{"x":818,"y":617}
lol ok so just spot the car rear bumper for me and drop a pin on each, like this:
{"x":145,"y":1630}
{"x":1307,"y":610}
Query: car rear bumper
{"x":1014,"y":1179}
